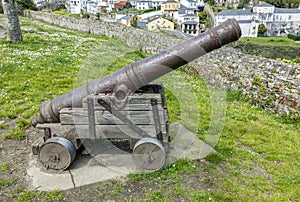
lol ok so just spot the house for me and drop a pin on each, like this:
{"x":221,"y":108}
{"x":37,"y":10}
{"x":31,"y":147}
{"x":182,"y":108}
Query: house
{"x":170,"y":6}
{"x":91,"y":6}
{"x":129,"y":19}
{"x":234,"y":3}
{"x":143,"y":5}
{"x":182,"y":12}
{"x":74,"y":6}
{"x":38,"y":3}
{"x":276,"y":20}
{"x":197,"y":5}
{"x":190,"y":25}
{"x":159,"y":24}
{"x":245,"y":18}
{"x":49,"y":3}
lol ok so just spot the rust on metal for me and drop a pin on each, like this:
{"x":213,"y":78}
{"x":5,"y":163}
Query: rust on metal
{"x":130,"y":78}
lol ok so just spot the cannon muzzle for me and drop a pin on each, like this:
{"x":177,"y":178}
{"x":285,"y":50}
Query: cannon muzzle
{"x":132,"y":77}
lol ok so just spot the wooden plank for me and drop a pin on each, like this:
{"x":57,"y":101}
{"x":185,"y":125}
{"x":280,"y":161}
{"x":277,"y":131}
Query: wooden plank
{"x":102,"y":131}
{"x":79,"y":116}
{"x":138,"y":101}
{"x":36,"y":145}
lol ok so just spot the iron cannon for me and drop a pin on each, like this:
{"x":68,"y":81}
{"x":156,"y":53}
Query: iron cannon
{"x":122,"y":105}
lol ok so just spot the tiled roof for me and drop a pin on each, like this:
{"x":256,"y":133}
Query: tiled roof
{"x":142,"y":25}
{"x":187,"y":15}
{"x":264,"y":5}
{"x":281,"y":10}
{"x":170,"y":1}
{"x":190,"y":23}
{"x":235,"y":12}
{"x":244,"y":21}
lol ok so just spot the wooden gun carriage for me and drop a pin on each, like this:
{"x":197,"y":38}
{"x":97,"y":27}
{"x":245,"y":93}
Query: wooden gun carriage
{"x":122,"y":105}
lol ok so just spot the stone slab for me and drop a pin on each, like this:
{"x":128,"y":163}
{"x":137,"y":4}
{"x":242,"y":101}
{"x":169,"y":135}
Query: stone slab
{"x":108,"y":162}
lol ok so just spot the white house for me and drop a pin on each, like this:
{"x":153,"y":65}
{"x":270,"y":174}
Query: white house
{"x":179,"y":15}
{"x":190,"y":24}
{"x":143,"y":5}
{"x":275,"y":19}
{"x":91,"y":6}
{"x":74,"y":6}
{"x":194,"y":4}
{"x":226,"y":2}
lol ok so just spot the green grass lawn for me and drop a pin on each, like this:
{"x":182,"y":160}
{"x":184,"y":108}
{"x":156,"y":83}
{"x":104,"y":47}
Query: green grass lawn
{"x":274,"y":41}
{"x":258,"y":153}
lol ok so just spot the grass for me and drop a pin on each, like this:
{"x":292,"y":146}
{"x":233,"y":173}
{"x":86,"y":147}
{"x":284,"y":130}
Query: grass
{"x":5,"y":183}
{"x":257,"y":159}
{"x":274,"y":41}
{"x":4,"y":166}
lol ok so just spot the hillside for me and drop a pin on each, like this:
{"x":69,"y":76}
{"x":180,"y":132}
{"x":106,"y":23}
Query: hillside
{"x":257,"y":160}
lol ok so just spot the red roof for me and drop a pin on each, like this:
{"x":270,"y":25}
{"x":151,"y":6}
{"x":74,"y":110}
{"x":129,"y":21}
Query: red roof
{"x":122,"y":2}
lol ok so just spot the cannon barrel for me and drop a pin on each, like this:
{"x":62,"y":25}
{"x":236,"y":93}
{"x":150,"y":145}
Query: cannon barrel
{"x":132,"y":77}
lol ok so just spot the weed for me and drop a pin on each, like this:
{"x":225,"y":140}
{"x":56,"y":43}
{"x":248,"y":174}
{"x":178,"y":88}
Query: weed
{"x":208,"y":196}
{"x":29,"y":196}
{"x":4,"y":166}
{"x":256,"y":80}
{"x":5,"y":183}
{"x":117,"y":190}
{"x":236,"y":95}
{"x":55,"y":195}
{"x":156,"y":196}
{"x":14,"y":133}
{"x":178,"y":190}
{"x":3,"y":126}
{"x":214,"y":158}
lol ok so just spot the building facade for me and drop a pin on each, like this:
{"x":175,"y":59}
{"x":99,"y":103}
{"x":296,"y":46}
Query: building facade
{"x":159,"y":24}
{"x":276,"y":20}
{"x":170,"y":6}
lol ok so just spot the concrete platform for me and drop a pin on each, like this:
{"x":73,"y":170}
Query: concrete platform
{"x":108,"y":162}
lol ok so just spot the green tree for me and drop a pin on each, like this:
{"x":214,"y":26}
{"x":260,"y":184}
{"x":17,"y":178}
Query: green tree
{"x":27,"y":4}
{"x":284,"y":3}
{"x":262,"y":29}
{"x":243,"y":3}
{"x":128,"y":5}
{"x":276,"y":3}
{"x":210,"y":2}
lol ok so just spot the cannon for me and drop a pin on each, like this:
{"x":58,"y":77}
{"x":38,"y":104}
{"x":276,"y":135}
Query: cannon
{"x":122,"y":105}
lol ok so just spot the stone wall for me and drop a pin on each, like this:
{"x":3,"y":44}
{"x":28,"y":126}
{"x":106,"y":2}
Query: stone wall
{"x":136,"y":38}
{"x":272,"y":84}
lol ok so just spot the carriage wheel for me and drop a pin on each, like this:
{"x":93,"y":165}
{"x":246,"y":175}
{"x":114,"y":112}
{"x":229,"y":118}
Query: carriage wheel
{"x":149,"y":154}
{"x":57,"y":153}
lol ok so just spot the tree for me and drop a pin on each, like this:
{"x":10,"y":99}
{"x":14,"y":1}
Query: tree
{"x":243,"y":3}
{"x":262,"y":29}
{"x":27,"y":4}
{"x":14,"y":33}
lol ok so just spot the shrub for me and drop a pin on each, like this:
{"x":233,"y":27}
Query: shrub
{"x":294,"y":37}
